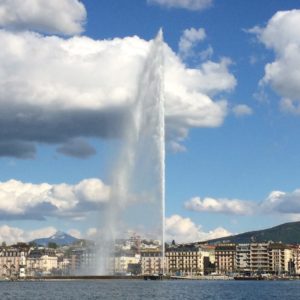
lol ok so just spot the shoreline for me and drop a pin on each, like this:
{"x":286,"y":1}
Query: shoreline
{"x":147,"y":277}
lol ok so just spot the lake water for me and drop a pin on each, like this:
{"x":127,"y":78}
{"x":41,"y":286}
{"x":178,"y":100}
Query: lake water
{"x":139,"y":289}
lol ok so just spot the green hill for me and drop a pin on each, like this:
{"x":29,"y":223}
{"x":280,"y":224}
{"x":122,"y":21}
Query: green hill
{"x":288,"y":233}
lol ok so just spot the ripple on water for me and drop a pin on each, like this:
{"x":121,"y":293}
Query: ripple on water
{"x":136,"y":290}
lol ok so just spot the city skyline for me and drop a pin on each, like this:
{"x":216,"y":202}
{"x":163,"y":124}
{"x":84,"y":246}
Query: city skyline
{"x":69,"y":70}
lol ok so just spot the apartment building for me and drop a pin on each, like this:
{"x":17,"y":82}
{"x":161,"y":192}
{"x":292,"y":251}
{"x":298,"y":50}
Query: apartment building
{"x":13,"y":261}
{"x":259,"y":257}
{"x":243,"y":258}
{"x":268,"y":257}
{"x":124,"y":263}
{"x":225,"y":258}
{"x":151,"y":261}
{"x":281,"y":258}
{"x":296,"y":258}
{"x":189,"y":259}
{"x":41,"y":262}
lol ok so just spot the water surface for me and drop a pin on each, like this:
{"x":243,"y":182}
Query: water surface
{"x":139,"y":289}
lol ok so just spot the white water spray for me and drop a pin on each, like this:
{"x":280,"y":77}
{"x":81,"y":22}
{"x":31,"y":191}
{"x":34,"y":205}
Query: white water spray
{"x":138,"y":188}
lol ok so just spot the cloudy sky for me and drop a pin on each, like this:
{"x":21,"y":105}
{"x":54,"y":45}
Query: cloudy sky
{"x":68,"y":71}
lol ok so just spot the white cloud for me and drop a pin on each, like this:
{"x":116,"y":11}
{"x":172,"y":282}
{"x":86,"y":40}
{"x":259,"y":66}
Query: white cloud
{"x":49,"y":85}
{"x":12,"y":235}
{"x":92,"y":190}
{"x":282,"y":36}
{"x":187,"y":4}
{"x":282,"y":203}
{"x":189,"y":39}
{"x":207,"y":53}
{"x":92,"y":233}
{"x":226,"y":206}
{"x":20,"y":200}
{"x":276,"y":202}
{"x":242,"y":110}
{"x":38,"y":233}
{"x":184,"y":230}
{"x":55,"y":16}
{"x":75,"y":233}
{"x":176,"y":147}
{"x":290,"y":106}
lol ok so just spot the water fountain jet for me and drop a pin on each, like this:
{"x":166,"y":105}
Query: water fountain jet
{"x":138,"y":186}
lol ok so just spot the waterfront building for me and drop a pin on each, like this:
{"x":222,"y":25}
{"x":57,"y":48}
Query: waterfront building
{"x":276,"y":258}
{"x":41,"y":261}
{"x":296,"y":258}
{"x":289,"y":263}
{"x":75,"y":260}
{"x":281,"y":259}
{"x":225,"y":258}
{"x":151,"y":261}
{"x":83,"y":261}
{"x":122,"y":263}
{"x":63,"y":265}
{"x":209,"y":259}
{"x":194,"y":259}
{"x":88,"y":261}
{"x":13,"y":261}
{"x":259,"y":258}
{"x":190,"y":259}
{"x":243,"y":258}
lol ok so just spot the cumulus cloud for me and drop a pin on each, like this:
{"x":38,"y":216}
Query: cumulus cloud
{"x":186,"y":4}
{"x":226,"y":206}
{"x":241,"y":110}
{"x":286,"y":204}
{"x":12,"y":235}
{"x":282,"y":202}
{"x":75,"y":233}
{"x":53,"y":90}
{"x":189,"y":39}
{"x":20,"y":200}
{"x":77,"y":148}
{"x":55,"y":16}
{"x":184,"y":230}
{"x":281,"y":35}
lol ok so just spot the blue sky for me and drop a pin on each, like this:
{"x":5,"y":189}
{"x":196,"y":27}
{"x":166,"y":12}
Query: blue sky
{"x":232,"y":159}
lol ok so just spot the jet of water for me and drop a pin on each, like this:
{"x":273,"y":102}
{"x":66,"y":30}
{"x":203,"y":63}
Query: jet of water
{"x":138,"y":185}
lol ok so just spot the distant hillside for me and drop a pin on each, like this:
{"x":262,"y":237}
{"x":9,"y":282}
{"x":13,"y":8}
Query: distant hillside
{"x":288,"y":233}
{"x":60,"y":238}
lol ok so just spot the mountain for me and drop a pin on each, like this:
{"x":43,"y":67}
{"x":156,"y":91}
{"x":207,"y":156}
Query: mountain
{"x":60,"y":238}
{"x":288,"y":233}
